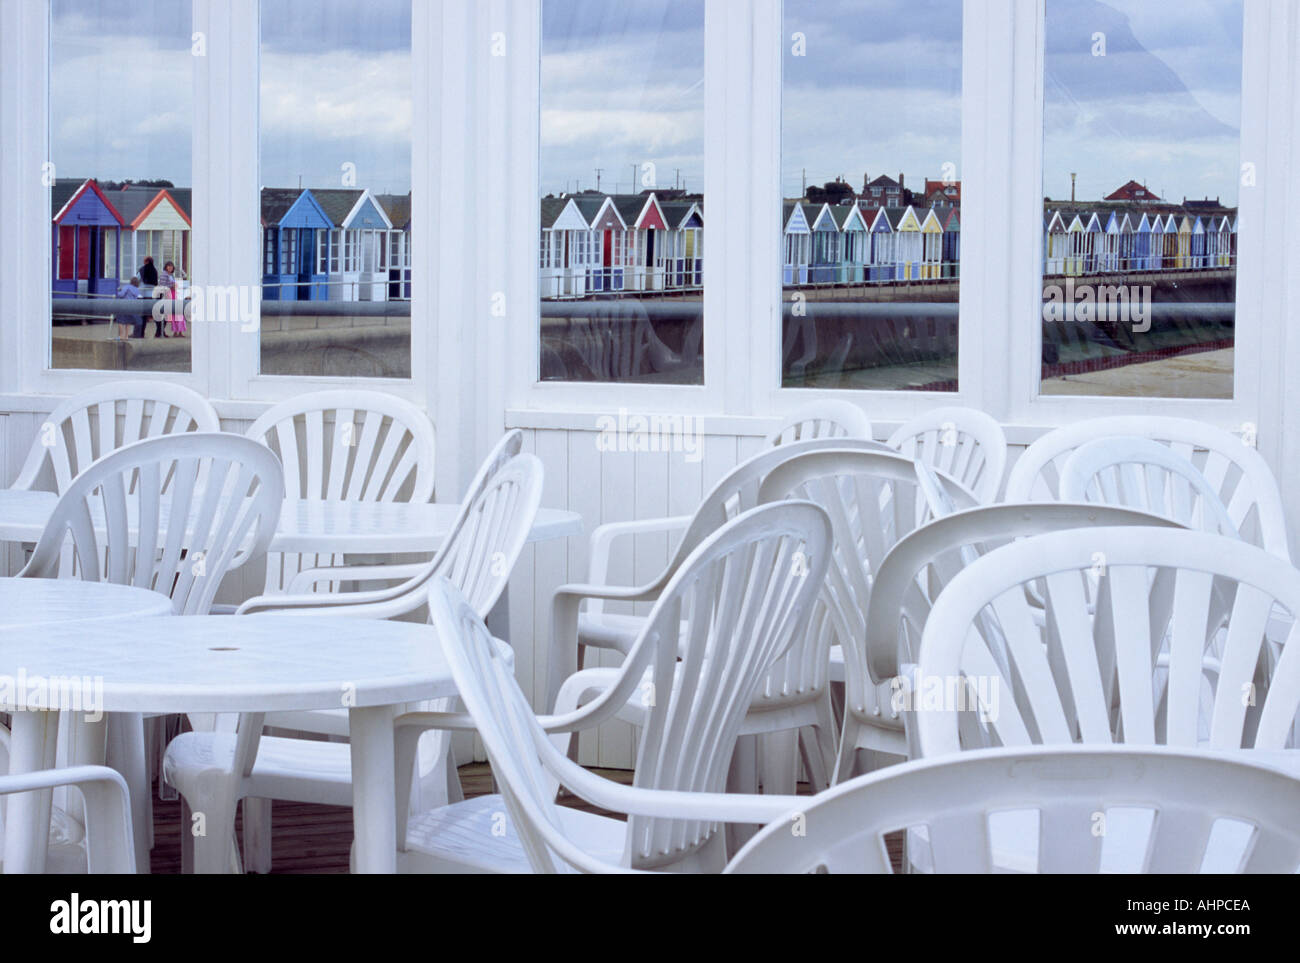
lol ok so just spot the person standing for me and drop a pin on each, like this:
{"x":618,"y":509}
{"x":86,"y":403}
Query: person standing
{"x":168,"y":280}
{"x":130,"y":290}
{"x":149,"y":276}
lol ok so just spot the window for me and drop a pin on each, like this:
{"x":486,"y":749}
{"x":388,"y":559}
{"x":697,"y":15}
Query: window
{"x":1141,"y":168}
{"x":119,"y":176}
{"x":622,"y":169}
{"x":336,"y":141}
{"x":871,"y":289}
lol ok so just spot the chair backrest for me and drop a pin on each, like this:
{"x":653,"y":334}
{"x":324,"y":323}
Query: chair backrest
{"x":89,"y":425}
{"x":510,"y":732}
{"x":873,"y":499}
{"x":171,"y":514}
{"x":828,"y":418}
{"x":1080,"y":676}
{"x":1146,"y":475}
{"x":728,"y":613}
{"x":962,"y":442}
{"x":924,"y":561}
{"x":1097,"y":809}
{"x":345,"y":445}
{"x":1234,"y":469}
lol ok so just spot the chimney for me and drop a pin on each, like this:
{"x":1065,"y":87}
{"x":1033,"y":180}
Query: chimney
{"x":866,"y":179}
{"x":900,"y":180}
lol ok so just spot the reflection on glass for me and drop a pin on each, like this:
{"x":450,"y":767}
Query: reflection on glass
{"x":119,"y":180}
{"x":870,"y":260}
{"x":622,"y":206}
{"x":1140,"y":178}
{"x":335,"y":226}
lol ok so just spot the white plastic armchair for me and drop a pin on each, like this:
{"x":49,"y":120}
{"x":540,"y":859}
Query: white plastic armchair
{"x":573,"y":630}
{"x":89,"y":425}
{"x":1146,"y":475}
{"x":873,"y":499}
{"x":408,"y":596}
{"x":110,"y":840}
{"x":173,"y":514}
{"x":828,"y":418}
{"x":1233,"y":467}
{"x":537,"y":835}
{"x":1163,"y":810}
{"x":912,"y":575}
{"x":964,"y":443}
{"x":345,"y":445}
{"x":214,"y":771}
{"x":1091,"y":678}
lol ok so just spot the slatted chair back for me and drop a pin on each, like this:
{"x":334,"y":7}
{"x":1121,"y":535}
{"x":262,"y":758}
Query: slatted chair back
{"x":963,"y":443}
{"x":171,"y":514}
{"x":828,"y":418}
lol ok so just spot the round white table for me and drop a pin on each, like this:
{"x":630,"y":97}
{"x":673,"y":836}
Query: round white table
{"x":315,"y":527}
{"x":36,"y":602}
{"x":255,"y":664}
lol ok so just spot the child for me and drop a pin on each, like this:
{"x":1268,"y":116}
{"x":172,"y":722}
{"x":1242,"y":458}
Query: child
{"x":128,"y":290}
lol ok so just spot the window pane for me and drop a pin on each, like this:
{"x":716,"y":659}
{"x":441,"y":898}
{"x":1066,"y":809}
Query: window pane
{"x":119,"y":178}
{"x":622,"y":171}
{"x":871,"y":213}
{"x":1140,"y":172}
{"x":336,"y":171}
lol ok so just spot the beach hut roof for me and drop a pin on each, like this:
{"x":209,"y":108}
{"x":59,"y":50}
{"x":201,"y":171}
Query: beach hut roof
{"x":66,"y":192}
{"x":398,"y":208}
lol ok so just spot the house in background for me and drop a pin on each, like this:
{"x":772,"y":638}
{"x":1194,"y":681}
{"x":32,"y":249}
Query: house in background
{"x":398,"y":209}
{"x":355,"y":255}
{"x":1132,"y":191}
{"x":884,"y":191}
{"x":87,"y":239}
{"x":293,"y":228}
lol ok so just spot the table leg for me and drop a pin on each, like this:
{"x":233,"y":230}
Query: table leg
{"x":126,"y":754}
{"x":374,"y":788}
{"x":33,"y":740}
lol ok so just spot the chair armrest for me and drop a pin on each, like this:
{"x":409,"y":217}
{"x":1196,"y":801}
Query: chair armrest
{"x":602,"y":539}
{"x":110,"y":841}
{"x":377,"y":604}
{"x":302,"y":582}
{"x":565,"y":605}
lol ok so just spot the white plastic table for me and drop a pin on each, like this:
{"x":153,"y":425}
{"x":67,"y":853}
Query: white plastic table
{"x":315,"y":527}
{"x":255,"y":663}
{"x":30,"y":603}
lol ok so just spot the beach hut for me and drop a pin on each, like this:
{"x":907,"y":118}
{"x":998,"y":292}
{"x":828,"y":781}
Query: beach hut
{"x":398,"y":209}
{"x":931,"y":246}
{"x":646,"y":240}
{"x":157,"y":225}
{"x":1094,"y":241}
{"x":1185,"y":242}
{"x":293,"y":228}
{"x":1056,"y":244}
{"x":566,"y":249}
{"x":1076,"y":240}
{"x":883,"y":263}
{"x":87,"y":239}
{"x":1224,"y":242}
{"x":1111,"y":239}
{"x":798,"y":244}
{"x":1169,"y":254}
{"x":1142,"y":260}
{"x":854,"y":243}
{"x":1198,"y":249}
{"x":908,"y":251}
{"x":354,"y":256}
{"x":952,"y":243}
{"x":611,"y":258}
{"x":683,"y":246}
{"x":824,"y":268}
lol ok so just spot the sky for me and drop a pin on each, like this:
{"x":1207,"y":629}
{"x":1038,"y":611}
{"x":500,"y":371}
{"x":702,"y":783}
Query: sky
{"x":876,"y":90}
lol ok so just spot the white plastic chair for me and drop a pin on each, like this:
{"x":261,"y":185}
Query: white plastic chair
{"x":110,"y":840}
{"x":1092,"y":678}
{"x":913,"y":573}
{"x":963,"y":443}
{"x":1234,"y":469}
{"x":215,"y":771}
{"x":574,"y":631}
{"x":89,"y":425}
{"x":172,"y":514}
{"x":345,"y":445}
{"x":1146,"y":475}
{"x":827,"y":418}
{"x":727,"y":614}
{"x":1095,"y":808}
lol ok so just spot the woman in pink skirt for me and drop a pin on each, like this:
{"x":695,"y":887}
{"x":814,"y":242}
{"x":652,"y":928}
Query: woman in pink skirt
{"x":168,"y":280}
